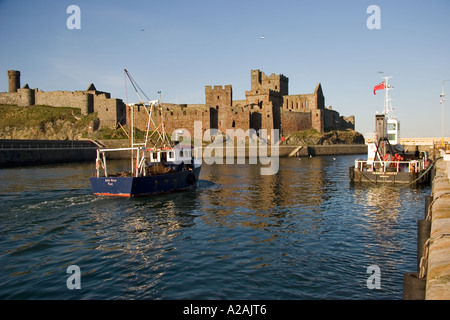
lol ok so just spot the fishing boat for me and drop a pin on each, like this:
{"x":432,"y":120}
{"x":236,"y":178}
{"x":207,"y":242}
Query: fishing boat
{"x":157,"y":165}
{"x":387,"y":161}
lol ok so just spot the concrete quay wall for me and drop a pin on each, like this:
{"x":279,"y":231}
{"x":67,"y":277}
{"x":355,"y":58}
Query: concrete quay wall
{"x":283,"y":151}
{"x":438,"y":267}
{"x":37,"y":152}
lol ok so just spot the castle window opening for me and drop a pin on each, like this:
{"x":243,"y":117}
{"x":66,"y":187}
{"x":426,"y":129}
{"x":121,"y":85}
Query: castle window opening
{"x":233,"y":125}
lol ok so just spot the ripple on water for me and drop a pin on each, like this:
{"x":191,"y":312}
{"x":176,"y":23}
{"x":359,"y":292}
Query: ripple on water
{"x":304,"y":233}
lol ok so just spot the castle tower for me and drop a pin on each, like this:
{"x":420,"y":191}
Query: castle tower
{"x":276,"y":83}
{"x":219,"y":100}
{"x":266,"y":96}
{"x":14,"y":80}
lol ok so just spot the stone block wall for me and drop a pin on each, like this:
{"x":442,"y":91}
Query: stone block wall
{"x":293,"y":121}
{"x":301,"y":102}
{"x":9,"y":98}
{"x":73,"y":99}
{"x":175,"y":117}
{"x":317,"y":120}
{"x":333,"y":121}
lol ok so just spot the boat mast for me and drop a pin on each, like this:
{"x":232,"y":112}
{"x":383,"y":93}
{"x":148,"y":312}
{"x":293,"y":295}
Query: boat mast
{"x":388,"y":110}
{"x":130,"y":136}
{"x":132,"y":139}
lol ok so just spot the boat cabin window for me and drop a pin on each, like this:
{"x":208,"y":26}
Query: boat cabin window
{"x":391,"y":126}
{"x":163,"y":156}
{"x":187,"y":153}
{"x":392,"y":137}
{"x":154,"y":157}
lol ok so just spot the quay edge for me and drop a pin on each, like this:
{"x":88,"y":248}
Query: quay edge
{"x":438,"y":269}
{"x":432,"y":279}
{"x":283,"y":151}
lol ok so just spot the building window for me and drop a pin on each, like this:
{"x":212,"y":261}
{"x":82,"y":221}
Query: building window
{"x":233,"y":124}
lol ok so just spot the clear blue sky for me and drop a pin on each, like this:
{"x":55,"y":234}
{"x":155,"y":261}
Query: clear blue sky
{"x":178,"y":47}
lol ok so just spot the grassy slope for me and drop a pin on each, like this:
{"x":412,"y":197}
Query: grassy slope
{"x":23,"y":118}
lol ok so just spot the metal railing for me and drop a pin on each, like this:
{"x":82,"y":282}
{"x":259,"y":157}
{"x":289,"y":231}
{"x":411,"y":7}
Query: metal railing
{"x":383,"y":166}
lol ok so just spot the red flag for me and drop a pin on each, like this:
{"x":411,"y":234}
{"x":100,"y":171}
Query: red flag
{"x":378,"y":87}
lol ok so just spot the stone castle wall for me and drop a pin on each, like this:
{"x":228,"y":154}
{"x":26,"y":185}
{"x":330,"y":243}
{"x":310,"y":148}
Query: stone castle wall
{"x":176,"y":117}
{"x":295,"y":121}
{"x":74,"y":99}
{"x":110,"y":111}
{"x":267,"y":105}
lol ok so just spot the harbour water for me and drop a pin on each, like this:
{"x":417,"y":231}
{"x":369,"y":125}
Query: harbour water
{"x":304,"y":233}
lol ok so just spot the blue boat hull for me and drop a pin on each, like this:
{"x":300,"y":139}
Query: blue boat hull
{"x":145,"y":186}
